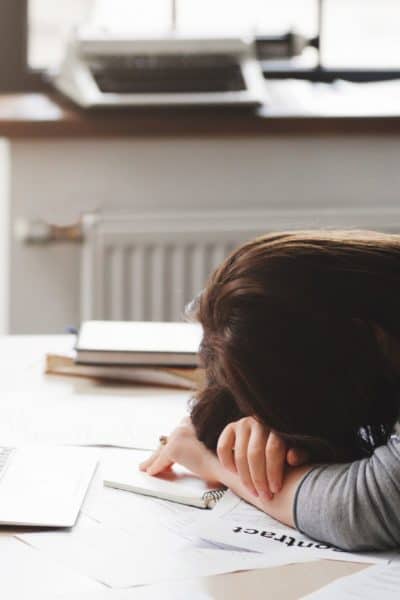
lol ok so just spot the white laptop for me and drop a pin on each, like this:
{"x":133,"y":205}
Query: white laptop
{"x":44,"y":486}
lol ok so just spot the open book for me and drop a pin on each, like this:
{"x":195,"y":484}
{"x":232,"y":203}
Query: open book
{"x":176,"y":485}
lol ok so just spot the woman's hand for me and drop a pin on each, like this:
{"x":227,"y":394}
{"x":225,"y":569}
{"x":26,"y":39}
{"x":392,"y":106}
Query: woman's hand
{"x":258,"y":455}
{"x":184,"y":448}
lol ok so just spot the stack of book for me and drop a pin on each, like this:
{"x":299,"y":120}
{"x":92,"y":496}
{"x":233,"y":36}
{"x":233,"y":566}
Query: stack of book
{"x":139,"y":352}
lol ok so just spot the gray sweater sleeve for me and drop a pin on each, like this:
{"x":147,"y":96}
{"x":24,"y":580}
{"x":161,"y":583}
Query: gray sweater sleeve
{"x":353,"y":506}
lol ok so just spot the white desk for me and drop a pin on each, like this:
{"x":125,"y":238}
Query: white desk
{"x":21,"y":360}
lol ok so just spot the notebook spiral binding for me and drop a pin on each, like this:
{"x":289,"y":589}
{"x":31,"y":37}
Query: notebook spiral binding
{"x":211,"y":497}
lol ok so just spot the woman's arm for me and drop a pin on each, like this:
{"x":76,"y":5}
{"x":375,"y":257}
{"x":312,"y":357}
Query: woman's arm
{"x":280,"y":506}
{"x":353,"y":506}
{"x":184,"y":448}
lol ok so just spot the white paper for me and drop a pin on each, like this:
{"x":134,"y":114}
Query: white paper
{"x":380,"y":581}
{"x":121,"y":559}
{"x":69,"y":410}
{"x":238,"y":524}
{"x":124,"y":539}
{"x":133,"y":513}
{"x":176,"y":590}
{"x":27,"y":573}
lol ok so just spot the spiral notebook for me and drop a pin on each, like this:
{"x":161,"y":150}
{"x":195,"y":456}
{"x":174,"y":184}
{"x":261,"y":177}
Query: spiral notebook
{"x":177,"y":485}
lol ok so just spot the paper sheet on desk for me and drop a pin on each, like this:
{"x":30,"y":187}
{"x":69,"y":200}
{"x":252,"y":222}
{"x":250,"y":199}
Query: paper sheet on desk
{"x":380,"y":581}
{"x":64,"y":411}
{"x":238,"y":524}
{"x":27,"y":573}
{"x":124,"y":539}
{"x":69,"y":410}
{"x":121,"y":559}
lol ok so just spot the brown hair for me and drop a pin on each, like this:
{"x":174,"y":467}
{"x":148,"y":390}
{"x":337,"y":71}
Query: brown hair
{"x":290,"y":336}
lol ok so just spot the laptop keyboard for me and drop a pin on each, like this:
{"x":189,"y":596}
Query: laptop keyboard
{"x":5,"y":455}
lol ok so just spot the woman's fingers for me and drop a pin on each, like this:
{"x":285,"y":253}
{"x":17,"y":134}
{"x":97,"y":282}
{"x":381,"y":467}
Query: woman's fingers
{"x":275,"y":453}
{"x":157,"y":462}
{"x":257,"y":460}
{"x":146,"y":463}
{"x":161,"y":462}
{"x":258,"y":455}
{"x":241,"y":460}
{"x":225,"y":448}
{"x":297,"y":457}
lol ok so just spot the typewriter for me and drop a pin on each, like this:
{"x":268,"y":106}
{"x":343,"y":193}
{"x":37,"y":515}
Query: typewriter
{"x":103,"y":70}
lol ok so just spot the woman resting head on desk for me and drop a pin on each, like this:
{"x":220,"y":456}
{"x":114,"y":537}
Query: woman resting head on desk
{"x":300,"y":350}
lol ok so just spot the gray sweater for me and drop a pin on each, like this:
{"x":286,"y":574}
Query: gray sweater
{"x":354,"y":506}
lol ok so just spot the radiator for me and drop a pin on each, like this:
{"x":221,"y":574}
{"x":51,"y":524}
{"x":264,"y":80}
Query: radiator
{"x":149,"y":266}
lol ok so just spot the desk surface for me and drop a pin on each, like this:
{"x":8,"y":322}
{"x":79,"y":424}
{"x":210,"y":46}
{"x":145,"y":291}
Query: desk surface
{"x":39,"y":116}
{"x":24,"y":385}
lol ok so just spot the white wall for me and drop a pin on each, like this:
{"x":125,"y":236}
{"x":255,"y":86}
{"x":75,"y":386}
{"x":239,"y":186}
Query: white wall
{"x":59,"y":179}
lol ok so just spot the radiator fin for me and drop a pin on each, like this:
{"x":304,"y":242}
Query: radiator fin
{"x":156,"y":281}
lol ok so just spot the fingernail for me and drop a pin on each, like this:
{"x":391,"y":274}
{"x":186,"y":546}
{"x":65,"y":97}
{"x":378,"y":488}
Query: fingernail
{"x":267,"y":495}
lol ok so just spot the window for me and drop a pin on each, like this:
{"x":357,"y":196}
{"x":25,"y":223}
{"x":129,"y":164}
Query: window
{"x":50,"y":22}
{"x":359,"y":38}
{"x":361,"y":34}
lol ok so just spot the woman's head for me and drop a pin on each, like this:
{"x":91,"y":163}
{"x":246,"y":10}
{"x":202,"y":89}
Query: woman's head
{"x":294,"y":325}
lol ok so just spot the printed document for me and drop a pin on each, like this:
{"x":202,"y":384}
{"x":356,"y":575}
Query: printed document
{"x":237,"y":524}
